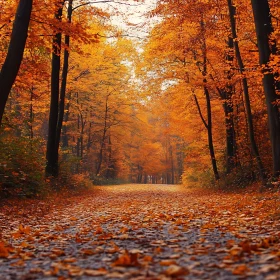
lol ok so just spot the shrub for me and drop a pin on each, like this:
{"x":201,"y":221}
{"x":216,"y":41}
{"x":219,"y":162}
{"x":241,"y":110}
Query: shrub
{"x":21,"y":166}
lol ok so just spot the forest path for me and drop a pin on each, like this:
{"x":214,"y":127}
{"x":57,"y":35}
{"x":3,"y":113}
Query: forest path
{"x":143,"y":232}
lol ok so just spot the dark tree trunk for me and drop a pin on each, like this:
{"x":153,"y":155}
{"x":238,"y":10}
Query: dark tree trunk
{"x":172,"y":164}
{"x":63,"y":79}
{"x":83,"y":123}
{"x":207,"y":124}
{"x":209,"y":133}
{"x":264,"y":30}
{"x":230,"y":136}
{"x":254,"y":147}
{"x":145,"y":179}
{"x":16,"y":48}
{"x":111,"y":170}
{"x":102,"y":144}
{"x":52,"y":152}
{"x":139,"y":176}
{"x":229,"y":120}
{"x":31,"y":113}
{"x":64,"y":128}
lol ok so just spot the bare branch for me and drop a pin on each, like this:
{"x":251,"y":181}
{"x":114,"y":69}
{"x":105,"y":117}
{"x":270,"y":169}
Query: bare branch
{"x":199,"y":111}
{"x":115,"y":36}
{"x":102,"y":1}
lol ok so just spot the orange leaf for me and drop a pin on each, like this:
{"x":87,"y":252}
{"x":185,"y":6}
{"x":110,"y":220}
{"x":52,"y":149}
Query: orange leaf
{"x":23,"y":230}
{"x":88,"y":252}
{"x":175,"y":271}
{"x":93,"y":272}
{"x":99,"y":230}
{"x":240,"y":269}
{"x":167,"y":262}
{"x":127,"y":259}
{"x":4,"y":252}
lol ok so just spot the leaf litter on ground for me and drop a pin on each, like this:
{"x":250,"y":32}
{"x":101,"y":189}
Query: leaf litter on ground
{"x":142,"y":232}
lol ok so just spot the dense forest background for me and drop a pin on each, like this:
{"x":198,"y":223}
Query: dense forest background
{"x":196,"y":101}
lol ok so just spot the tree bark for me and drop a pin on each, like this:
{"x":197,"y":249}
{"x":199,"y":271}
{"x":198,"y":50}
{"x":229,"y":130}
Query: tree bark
{"x":102,"y":144}
{"x":16,"y":48}
{"x":254,"y":147}
{"x":52,"y":153}
{"x":264,"y":30}
{"x":31,"y":113}
{"x":172,"y":164}
{"x":208,"y":105}
{"x":228,"y":109}
{"x":230,"y":135}
{"x":64,"y":128}
{"x":64,"y":79}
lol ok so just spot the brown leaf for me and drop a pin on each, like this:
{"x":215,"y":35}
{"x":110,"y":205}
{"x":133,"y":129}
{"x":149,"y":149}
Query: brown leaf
{"x":127,"y":259}
{"x":167,"y":262}
{"x":240,"y":270}
{"x":4,"y":252}
{"x":23,"y":230}
{"x":99,"y":230}
{"x":94,"y":272}
{"x":58,"y":252}
{"x":175,"y":271}
{"x":88,"y":252}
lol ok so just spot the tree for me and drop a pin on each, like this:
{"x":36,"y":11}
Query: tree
{"x":57,"y":104}
{"x":52,"y":151}
{"x":251,"y":132}
{"x":14,"y":56}
{"x":266,"y":47}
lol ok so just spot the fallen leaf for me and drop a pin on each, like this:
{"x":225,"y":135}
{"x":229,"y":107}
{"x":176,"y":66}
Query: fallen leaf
{"x":94,"y":272}
{"x":127,"y":259}
{"x":4,"y":252}
{"x":240,"y":269}
{"x":167,"y":262}
{"x":175,"y":271}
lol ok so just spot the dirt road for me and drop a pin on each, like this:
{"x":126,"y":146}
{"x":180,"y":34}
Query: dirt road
{"x":143,"y":232}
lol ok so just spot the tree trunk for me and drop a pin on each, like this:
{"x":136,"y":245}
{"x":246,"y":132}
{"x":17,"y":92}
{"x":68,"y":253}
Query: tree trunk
{"x":208,"y":105}
{"x":210,"y":134}
{"x":52,"y":152}
{"x":16,"y":48}
{"x":64,"y":128}
{"x":264,"y":30}
{"x":254,"y":147}
{"x":229,"y":120}
{"x":102,"y":144}
{"x":83,"y":123}
{"x":172,"y":164}
{"x":63,"y":79}
{"x":145,"y":179}
{"x":230,"y":135}
{"x":31,"y":114}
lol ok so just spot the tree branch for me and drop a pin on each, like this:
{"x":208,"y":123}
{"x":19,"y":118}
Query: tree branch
{"x":199,"y":111}
{"x":102,"y":1}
